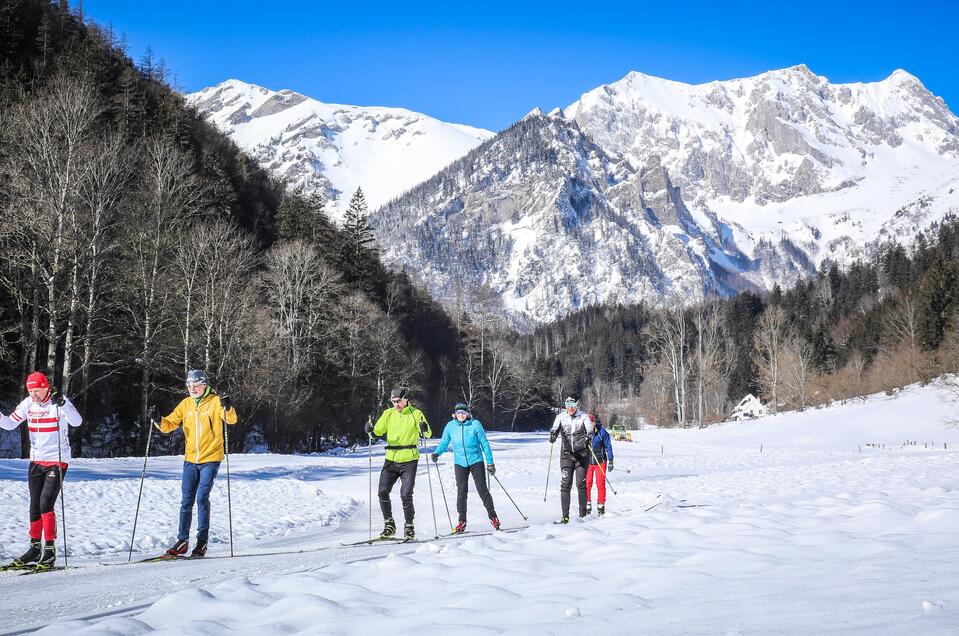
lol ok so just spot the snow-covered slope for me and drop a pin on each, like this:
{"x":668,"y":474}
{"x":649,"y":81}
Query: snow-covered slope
{"x":790,"y":524}
{"x":332,"y":148}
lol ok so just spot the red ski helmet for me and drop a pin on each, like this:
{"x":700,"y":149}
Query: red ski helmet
{"x":37,"y":380}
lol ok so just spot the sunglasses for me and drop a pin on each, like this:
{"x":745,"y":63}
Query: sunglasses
{"x":191,"y":385}
{"x":461,"y":412}
{"x":398,"y":400}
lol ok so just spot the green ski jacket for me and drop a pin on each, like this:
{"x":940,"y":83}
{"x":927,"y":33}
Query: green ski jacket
{"x":402,"y":431}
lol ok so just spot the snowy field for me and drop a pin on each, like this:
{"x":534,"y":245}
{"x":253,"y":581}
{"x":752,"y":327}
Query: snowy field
{"x":788,"y":525}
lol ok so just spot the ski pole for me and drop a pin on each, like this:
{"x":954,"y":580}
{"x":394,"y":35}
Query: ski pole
{"x":549,"y":469}
{"x":369,"y":450}
{"x":140,"y":493}
{"x":429,"y":479}
{"x":229,"y":501}
{"x":63,"y":505}
{"x":603,"y":471}
{"x":443,"y":491}
{"x":510,"y":498}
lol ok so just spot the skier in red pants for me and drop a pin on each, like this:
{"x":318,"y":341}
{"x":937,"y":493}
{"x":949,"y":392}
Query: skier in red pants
{"x":600,"y":463}
{"x":48,"y":415}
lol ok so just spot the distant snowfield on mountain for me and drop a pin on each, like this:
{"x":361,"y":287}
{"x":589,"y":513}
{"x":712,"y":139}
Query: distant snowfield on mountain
{"x":334,"y":148}
{"x":666,"y":190}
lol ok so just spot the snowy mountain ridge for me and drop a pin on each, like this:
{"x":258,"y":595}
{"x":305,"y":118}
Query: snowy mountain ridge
{"x":334,"y":148}
{"x":686,"y":191}
{"x":667,"y":190}
{"x":771,"y":137}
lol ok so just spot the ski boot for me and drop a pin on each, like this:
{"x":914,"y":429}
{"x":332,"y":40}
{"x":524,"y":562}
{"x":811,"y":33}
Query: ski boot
{"x":460,"y":528}
{"x":49,"y":556}
{"x":409,"y":533}
{"x":200,"y":550}
{"x":601,"y":509}
{"x":389,"y":529}
{"x":30,"y":557}
{"x":589,"y":507}
{"x":179,"y":549}
{"x":495,"y":521}
{"x":564,"y":520}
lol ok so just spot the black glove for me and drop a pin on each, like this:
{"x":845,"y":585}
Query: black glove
{"x":152,"y":414}
{"x":424,"y":428}
{"x":435,"y":457}
{"x":552,"y":436}
{"x":225,"y":402}
{"x":609,"y":466}
{"x":491,"y":469}
{"x":56,"y":397}
{"x":368,"y":428}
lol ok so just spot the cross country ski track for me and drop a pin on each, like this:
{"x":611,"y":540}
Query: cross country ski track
{"x":79,"y":592}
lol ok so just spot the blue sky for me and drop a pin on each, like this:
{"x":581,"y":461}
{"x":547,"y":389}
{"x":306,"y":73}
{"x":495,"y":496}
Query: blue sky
{"x":487,"y":64}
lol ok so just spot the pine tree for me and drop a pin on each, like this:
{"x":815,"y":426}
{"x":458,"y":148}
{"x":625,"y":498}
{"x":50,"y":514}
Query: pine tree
{"x":146,"y":64}
{"x":355,"y":223}
{"x":357,"y":255}
{"x":935,"y":302}
{"x":291,"y":217}
{"x":303,"y":216}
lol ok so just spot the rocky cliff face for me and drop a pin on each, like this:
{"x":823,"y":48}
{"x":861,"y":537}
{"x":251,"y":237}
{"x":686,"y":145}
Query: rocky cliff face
{"x":549,"y":222}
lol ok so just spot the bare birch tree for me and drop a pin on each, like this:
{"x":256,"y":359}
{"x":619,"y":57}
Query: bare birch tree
{"x":170,"y":194}
{"x":904,"y":324}
{"x":670,"y":332}
{"x":710,"y":362}
{"x":768,"y":341}
{"x":797,"y":371}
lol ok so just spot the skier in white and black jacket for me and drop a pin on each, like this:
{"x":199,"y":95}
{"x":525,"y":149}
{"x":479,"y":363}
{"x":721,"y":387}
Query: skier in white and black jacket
{"x":576,"y":430}
{"x":48,"y":415}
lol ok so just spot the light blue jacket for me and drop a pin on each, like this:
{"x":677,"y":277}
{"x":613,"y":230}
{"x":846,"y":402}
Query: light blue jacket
{"x":468,"y":440}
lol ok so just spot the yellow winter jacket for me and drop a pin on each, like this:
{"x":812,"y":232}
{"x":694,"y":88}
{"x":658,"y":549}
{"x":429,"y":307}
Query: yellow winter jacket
{"x":202,"y":427}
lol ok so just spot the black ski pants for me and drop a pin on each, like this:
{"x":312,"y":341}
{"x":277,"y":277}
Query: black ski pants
{"x":44,"y":484}
{"x":478,"y":471}
{"x":406,"y":473}
{"x":574,"y":464}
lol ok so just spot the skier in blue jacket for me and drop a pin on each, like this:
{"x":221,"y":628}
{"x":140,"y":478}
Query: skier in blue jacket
{"x":600,"y":463}
{"x":470,"y":446}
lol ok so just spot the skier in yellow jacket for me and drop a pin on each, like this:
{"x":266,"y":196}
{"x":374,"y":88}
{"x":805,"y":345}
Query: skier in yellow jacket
{"x":403,"y":425}
{"x":202,"y":416}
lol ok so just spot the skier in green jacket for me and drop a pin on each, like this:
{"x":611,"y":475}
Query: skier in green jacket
{"x":403,"y":425}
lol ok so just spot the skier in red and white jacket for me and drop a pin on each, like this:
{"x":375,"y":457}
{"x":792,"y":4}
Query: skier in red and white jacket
{"x":47,"y":413}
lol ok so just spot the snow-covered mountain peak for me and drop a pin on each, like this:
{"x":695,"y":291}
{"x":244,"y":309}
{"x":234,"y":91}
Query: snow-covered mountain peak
{"x":335,"y":148}
{"x":536,"y":112}
{"x":901,"y":76}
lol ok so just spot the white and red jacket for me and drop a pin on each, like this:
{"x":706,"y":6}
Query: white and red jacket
{"x":43,"y":419}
